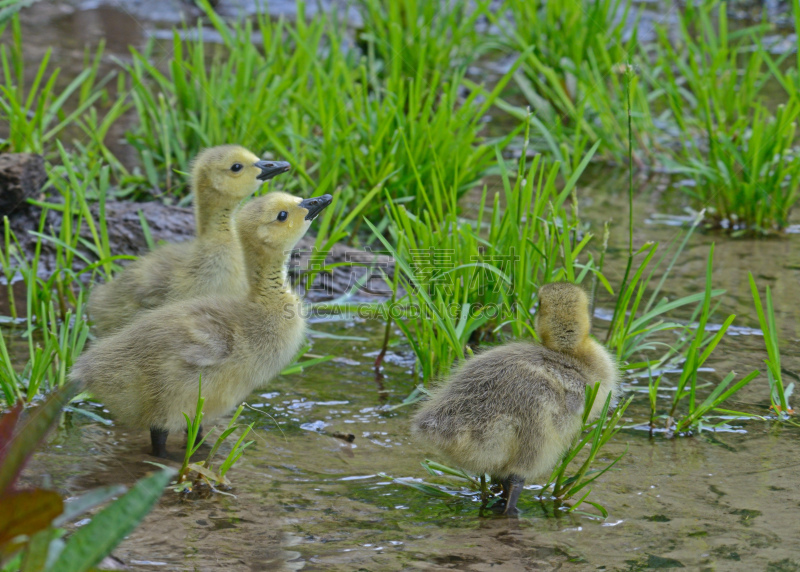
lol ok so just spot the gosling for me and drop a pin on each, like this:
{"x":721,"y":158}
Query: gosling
{"x":211,"y":264}
{"x":513,"y":411}
{"x":147,"y":373}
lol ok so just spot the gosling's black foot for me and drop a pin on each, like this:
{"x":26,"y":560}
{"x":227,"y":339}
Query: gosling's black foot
{"x":513,"y":485}
{"x":158,"y":438}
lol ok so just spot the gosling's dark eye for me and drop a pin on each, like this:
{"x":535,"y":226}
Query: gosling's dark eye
{"x":282,"y":216}
{"x":236,"y":167}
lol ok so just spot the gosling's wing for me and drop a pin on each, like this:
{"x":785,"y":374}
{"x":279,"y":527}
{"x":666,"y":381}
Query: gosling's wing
{"x":154,"y":274}
{"x":207,"y":333}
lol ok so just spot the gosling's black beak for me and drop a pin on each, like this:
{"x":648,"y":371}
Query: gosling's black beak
{"x":315,"y":205}
{"x":270,"y":169}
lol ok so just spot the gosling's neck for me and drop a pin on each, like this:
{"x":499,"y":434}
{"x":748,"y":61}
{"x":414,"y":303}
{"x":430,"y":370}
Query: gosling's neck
{"x":266,"y":275}
{"x":213,"y":214}
{"x":593,"y":355}
{"x":600,"y":367}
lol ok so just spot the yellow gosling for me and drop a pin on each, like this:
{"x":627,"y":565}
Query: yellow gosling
{"x":147,"y":373}
{"x":513,"y":411}
{"x":210,"y":264}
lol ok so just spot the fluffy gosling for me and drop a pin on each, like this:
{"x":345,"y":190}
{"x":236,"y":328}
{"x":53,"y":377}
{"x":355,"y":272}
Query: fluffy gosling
{"x":147,"y":373}
{"x":513,"y":411}
{"x":210,"y":264}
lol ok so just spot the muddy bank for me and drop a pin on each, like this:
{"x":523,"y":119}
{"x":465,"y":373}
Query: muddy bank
{"x":169,"y":224}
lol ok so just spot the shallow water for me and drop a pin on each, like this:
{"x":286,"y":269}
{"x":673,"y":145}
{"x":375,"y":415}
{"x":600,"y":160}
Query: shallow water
{"x":307,"y":500}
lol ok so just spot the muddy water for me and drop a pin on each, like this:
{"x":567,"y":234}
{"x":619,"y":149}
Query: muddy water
{"x":306,"y":500}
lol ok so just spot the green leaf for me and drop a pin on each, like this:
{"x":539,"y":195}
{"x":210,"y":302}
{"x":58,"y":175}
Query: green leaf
{"x":91,"y":543}
{"x":86,"y":502}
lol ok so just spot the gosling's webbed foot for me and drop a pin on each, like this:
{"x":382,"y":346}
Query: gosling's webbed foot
{"x":515,"y":484}
{"x":158,"y":438}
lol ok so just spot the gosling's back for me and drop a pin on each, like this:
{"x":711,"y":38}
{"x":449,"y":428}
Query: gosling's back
{"x":511,"y":410}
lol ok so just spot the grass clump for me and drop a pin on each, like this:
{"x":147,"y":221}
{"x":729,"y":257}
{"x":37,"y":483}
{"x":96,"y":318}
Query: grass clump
{"x":345,"y":128}
{"x":50,"y":355}
{"x":193,"y":476}
{"x":740,"y":154}
{"x":468,"y":281}
{"x":700,"y":347}
{"x":205,"y":97}
{"x":39,"y":112}
{"x":413,"y":38}
{"x":574,"y":60}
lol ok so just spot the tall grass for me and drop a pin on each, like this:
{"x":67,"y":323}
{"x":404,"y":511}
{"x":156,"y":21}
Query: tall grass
{"x":595,"y":434}
{"x":421,"y":38}
{"x":40,"y":111}
{"x":740,"y":153}
{"x":778,"y":393}
{"x":241,"y":90}
{"x":641,"y":312}
{"x":53,"y":326}
{"x":687,"y":410}
{"x":466,"y":281}
{"x":204,"y":472}
{"x":344,"y":128}
{"x":573,"y":76}
{"x":75,"y":188}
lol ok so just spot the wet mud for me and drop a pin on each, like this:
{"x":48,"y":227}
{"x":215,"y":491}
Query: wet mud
{"x":359,"y":271}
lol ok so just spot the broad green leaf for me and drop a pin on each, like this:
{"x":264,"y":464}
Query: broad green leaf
{"x":92,"y":542}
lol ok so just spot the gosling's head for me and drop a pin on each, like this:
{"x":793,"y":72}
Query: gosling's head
{"x":276,"y":221}
{"x":562,"y":321}
{"x":231,"y":171}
